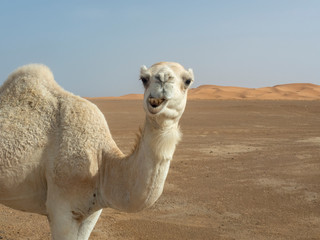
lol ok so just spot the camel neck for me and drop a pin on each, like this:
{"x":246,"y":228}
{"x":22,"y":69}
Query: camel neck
{"x":136,"y":181}
{"x":159,"y":141}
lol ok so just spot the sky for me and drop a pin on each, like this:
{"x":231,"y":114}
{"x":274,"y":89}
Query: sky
{"x":96,"y":48}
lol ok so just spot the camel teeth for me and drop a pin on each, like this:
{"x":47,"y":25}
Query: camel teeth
{"x":155,"y":102}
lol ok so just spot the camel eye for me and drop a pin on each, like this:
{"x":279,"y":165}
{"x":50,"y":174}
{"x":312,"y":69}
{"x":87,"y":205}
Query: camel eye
{"x":144,"y":80}
{"x":187,"y":82}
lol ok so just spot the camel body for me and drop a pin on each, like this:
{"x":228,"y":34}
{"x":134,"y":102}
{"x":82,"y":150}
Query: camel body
{"x":47,"y":136}
{"x":58,"y":158}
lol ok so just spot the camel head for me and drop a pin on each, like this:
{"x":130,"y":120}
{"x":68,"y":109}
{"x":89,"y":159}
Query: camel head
{"x":166,"y":85}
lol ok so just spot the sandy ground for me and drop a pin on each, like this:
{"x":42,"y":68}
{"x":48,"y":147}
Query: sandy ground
{"x":244,"y":170}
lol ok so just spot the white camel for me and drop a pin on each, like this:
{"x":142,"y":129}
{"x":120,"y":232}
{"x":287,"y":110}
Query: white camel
{"x":58,"y":158}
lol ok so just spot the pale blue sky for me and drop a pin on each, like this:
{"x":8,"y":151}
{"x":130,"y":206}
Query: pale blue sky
{"x":95,"y":48}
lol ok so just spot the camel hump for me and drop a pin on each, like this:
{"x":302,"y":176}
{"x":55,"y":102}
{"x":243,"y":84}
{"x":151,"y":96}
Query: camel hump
{"x":29,"y":76}
{"x":28,"y":112}
{"x":32,"y":81}
{"x":32,"y":70}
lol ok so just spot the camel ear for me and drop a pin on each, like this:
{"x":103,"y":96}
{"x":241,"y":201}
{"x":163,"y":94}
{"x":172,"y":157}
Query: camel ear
{"x":191,"y":73}
{"x":144,"y":75}
{"x":143,"y":70}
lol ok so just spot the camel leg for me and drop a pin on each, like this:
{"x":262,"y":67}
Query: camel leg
{"x":63,"y":225}
{"x":87,"y":225}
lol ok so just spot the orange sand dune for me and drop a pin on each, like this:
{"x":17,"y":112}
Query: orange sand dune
{"x":294,"y":91}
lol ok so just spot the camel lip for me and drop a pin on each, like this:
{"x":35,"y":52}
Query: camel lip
{"x":155,"y":105}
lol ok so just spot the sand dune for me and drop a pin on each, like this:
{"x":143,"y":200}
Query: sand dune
{"x":294,"y":91}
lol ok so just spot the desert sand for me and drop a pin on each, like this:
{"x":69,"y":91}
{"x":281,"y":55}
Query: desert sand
{"x":296,"y":91}
{"x":244,"y":170}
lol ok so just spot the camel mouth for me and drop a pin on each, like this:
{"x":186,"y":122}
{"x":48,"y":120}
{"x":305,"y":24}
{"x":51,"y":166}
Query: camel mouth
{"x":155,"y":105}
{"x":155,"y":102}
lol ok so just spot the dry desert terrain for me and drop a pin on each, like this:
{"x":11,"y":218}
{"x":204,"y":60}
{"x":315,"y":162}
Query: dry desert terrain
{"x":245,"y":169}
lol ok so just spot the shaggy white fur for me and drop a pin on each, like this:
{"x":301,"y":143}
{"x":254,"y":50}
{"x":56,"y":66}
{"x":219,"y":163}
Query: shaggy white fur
{"x":58,"y":158}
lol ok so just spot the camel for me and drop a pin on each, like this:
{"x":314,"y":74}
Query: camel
{"x":58,"y":158}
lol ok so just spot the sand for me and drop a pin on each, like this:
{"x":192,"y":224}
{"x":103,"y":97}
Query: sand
{"x":297,"y":91}
{"x":244,"y":170}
